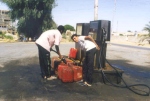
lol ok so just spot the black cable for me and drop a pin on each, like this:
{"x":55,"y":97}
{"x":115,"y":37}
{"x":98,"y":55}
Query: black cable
{"x":126,"y":85}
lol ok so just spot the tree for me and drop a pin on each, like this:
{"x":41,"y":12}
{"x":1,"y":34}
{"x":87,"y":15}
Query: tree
{"x":34,"y":16}
{"x":69,"y":27}
{"x":147,"y":28}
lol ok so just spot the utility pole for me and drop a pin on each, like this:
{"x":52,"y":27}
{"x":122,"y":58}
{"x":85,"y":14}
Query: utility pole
{"x":96,"y":10}
{"x":114,"y":11}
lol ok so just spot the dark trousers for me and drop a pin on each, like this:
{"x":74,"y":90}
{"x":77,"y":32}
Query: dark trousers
{"x":88,"y":65}
{"x":45,"y":62}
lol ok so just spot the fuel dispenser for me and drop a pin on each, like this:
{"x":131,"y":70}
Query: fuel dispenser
{"x":81,"y":29}
{"x":100,"y":31}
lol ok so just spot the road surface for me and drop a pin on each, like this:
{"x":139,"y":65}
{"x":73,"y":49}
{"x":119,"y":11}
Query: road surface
{"x":21,"y":81}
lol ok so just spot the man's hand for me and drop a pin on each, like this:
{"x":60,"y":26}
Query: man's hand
{"x":97,"y":47}
{"x":60,"y":56}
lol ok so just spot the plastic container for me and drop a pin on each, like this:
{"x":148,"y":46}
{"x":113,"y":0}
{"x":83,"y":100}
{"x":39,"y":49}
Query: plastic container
{"x":60,"y":67}
{"x":67,"y":74}
{"x":77,"y":70}
{"x":73,"y":53}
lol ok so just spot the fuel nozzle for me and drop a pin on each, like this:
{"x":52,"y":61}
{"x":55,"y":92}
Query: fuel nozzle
{"x":64,"y":60}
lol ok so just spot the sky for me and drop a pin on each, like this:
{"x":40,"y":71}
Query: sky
{"x":124,"y":15}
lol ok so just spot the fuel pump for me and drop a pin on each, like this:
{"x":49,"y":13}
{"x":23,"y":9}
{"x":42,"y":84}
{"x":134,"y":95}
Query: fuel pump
{"x":100,"y":31}
{"x":81,"y":29}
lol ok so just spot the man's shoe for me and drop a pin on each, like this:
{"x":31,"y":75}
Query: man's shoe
{"x":52,"y":78}
{"x":87,"y":84}
{"x":81,"y":81}
{"x":44,"y":77}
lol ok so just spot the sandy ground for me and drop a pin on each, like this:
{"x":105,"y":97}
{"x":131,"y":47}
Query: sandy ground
{"x":131,"y":40}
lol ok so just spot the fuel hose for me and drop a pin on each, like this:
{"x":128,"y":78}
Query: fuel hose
{"x":130,"y":87}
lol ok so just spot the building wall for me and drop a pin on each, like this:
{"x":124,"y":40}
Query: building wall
{"x":5,"y":20}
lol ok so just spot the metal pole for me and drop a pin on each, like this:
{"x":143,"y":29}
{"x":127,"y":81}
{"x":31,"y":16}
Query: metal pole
{"x":114,"y":11}
{"x":96,"y":10}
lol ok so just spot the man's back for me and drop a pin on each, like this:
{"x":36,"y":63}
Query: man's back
{"x":49,"y":38}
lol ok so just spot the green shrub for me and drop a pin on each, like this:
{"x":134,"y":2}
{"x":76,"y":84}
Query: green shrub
{"x":2,"y":35}
{"x":1,"y":32}
{"x":8,"y":37}
{"x":120,"y":34}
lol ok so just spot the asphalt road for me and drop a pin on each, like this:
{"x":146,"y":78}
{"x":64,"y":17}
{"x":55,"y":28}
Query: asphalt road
{"x":21,"y":81}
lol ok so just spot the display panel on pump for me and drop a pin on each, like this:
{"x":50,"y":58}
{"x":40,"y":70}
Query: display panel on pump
{"x":93,"y":29}
{"x":97,"y":29}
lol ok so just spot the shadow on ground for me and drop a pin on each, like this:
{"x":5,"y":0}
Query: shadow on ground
{"x":139,"y":72}
{"x":21,"y":80}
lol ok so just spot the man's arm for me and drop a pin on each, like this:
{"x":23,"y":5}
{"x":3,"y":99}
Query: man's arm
{"x":57,"y":49}
{"x":91,"y":39}
{"x":82,"y":56}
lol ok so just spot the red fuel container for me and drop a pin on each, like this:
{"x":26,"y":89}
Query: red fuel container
{"x":60,"y":68}
{"x":73,"y":53}
{"x":77,"y":72}
{"x":67,"y":74}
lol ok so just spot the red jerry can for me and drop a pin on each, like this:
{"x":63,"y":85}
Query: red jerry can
{"x":77,"y":72}
{"x":67,"y":74}
{"x":69,"y":60}
{"x":60,"y":67}
{"x":73,"y":53}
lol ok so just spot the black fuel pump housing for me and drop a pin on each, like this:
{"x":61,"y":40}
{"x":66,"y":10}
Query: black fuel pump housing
{"x":100,"y":31}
